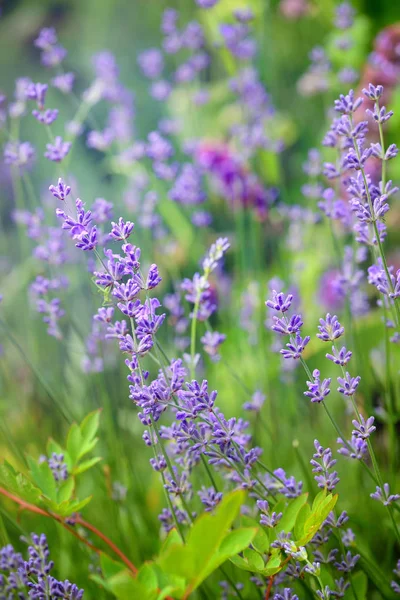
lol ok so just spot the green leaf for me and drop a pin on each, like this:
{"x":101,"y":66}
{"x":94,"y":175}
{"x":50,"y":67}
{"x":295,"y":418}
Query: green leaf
{"x":110,"y":567}
{"x":66,"y":490}
{"x":261,"y":541}
{"x":236,"y":541}
{"x":273,"y":565}
{"x":200,"y":556}
{"x":43,"y":477}
{"x":239,"y":562}
{"x":87,"y":464}
{"x":173,"y":539}
{"x":319,"y":498}
{"x":18,"y":484}
{"x":74,"y":442}
{"x":302,"y":517}
{"x":288,"y":520}
{"x":254,"y":559}
{"x":147,"y":577}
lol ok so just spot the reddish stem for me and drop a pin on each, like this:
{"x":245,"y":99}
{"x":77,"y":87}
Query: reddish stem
{"x":269,"y":588}
{"x":77,"y":519}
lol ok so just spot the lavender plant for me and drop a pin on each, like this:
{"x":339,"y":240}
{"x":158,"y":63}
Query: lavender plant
{"x":234,"y":520}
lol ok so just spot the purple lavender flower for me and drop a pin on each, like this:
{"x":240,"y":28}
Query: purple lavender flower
{"x":47,"y":37}
{"x":61,"y":190}
{"x":58,"y":150}
{"x":158,"y":148}
{"x":47,"y":117}
{"x":37,"y":91}
{"x":151,"y":63}
{"x":287,"y":327}
{"x":364,"y":428}
{"x":187,"y":188}
{"x":348,"y":105}
{"x":323,"y":463}
{"x":210,"y":498}
{"x":20,"y":154}
{"x":348,"y":562}
{"x":58,"y":467}
{"x":344,"y":17}
{"x":122,"y":230}
{"x":295,"y":348}
{"x":160,"y":90}
{"x":318,"y":390}
{"x":385,"y":496}
{"x":64,"y":82}
{"x":339,"y":357}
{"x":256,"y":403}
{"x":330,"y":329}
{"x":206,"y":3}
{"x":348,"y":385}
{"x":355,"y":448}
{"x":211,"y":341}
{"x":279,"y":302}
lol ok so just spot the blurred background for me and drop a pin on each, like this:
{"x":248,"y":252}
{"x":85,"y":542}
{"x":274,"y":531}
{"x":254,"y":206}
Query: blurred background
{"x":46,"y":383}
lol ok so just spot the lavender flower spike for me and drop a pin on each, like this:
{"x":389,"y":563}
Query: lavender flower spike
{"x":385,"y":496}
{"x":279,"y":302}
{"x":61,"y":190}
{"x":330,"y":329}
{"x":295,"y":347}
{"x":122,"y":230}
{"x":318,"y":390}
{"x":348,"y":384}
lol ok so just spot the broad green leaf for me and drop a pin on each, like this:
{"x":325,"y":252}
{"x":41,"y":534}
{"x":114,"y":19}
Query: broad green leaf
{"x":74,"y":442}
{"x":239,"y":562}
{"x":88,"y":429}
{"x":315,"y":520}
{"x":109,"y":566}
{"x":173,"y":539}
{"x":147,"y":577}
{"x":26,"y":490}
{"x":66,"y":490}
{"x":319,"y":498}
{"x":236,"y":541}
{"x":302,"y":517}
{"x":261,"y":541}
{"x":125,"y":587}
{"x":43,"y":477}
{"x":254,"y":559}
{"x":87,"y":464}
{"x":198,"y":557}
{"x":287,"y":522}
{"x":273,"y":565}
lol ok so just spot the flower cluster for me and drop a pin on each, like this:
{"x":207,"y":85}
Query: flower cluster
{"x":31,"y":578}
